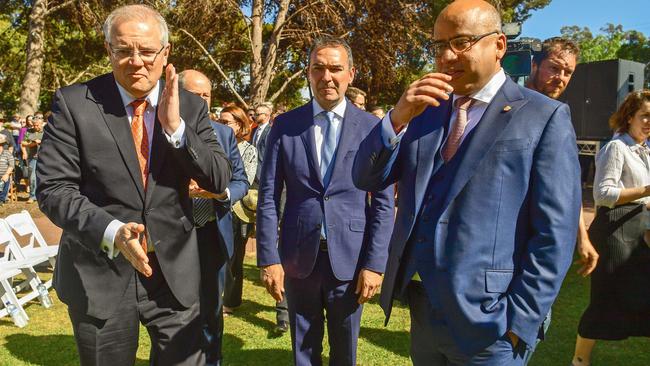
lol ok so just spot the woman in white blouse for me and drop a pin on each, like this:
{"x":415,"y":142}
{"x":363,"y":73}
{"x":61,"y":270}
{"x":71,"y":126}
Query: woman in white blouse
{"x":237,"y":119}
{"x":620,"y":298}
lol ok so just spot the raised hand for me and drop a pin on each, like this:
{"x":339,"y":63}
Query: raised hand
{"x":428,"y":90}
{"x":168,"y":107}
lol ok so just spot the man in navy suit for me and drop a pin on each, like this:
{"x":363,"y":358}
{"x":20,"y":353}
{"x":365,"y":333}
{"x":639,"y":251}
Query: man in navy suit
{"x":214,"y":224}
{"x":489,"y":198}
{"x":333,"y":238}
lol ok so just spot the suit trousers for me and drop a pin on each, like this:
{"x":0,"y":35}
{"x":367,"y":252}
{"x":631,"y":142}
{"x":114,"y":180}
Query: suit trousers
{"x":432,"y":343}
{"x":232,"y":295}
{"x":213,"y":278}
{"x":175,"y":331}
{"x":308,"y":298}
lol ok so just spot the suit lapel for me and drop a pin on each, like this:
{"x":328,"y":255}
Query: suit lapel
{"x":308,"y":138}
{"x":159,"y":146}
{"x":348,"y":136}
{"x":493,"y":122}
{"x":110,"y":106}
{"x":430,"y":137}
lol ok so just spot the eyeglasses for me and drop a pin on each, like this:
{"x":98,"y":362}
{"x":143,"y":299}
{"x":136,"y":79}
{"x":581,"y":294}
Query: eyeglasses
{"x":147,"y":56}
{"x":459,"y":44}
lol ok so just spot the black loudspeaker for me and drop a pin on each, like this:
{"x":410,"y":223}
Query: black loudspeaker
{"x":595,"y":92}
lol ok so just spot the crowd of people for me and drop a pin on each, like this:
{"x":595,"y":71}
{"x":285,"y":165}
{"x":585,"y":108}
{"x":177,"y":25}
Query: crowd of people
{"x":20,"y":138}
{"x":157,"y":198}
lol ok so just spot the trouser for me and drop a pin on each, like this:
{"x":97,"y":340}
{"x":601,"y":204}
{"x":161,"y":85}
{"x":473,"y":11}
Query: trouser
{"x":213,"y":276}
{"x":308,"y":298}
{"x":175,"y":331}
{"x":232,"y":295}
{"x":432,"y":343}
{"x":32,"y":178}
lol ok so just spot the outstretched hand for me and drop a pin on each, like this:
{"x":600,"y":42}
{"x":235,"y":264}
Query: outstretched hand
{"x":127,"y":240}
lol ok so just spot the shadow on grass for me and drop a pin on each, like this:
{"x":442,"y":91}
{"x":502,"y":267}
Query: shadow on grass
{"x":252,"y":273}
{"x":233,"y":354}
{"x":248,"y":313}
{"x":47,"y":350}
{"x":393,"y":341}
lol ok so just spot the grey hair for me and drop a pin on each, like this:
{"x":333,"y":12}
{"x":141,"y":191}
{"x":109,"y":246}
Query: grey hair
{"x":136,"y":12}
{"x":327,"y":42}
{"x":267,"y":105}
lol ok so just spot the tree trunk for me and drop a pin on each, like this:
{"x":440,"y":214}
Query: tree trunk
{"x":31,"y":87}
{"x":257,"y":43}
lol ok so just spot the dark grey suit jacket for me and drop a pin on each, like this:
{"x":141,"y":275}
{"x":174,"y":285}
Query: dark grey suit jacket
{"x":88,"y":175}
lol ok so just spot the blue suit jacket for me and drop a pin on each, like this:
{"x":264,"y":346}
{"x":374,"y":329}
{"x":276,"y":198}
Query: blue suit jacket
{"x":238,"y":185}
{"x":508,"y":226}
{"x":358,"y":228}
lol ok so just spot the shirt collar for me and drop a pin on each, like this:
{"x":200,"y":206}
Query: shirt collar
{"x":487,"y":93}
{"x":629,"y":141}
{"x":152,"y":97}
{"x":339,"y":109}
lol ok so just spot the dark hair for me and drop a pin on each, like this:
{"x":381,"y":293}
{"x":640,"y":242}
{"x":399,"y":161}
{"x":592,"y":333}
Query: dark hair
{"x":331,"y":42}
{"x":556,"y":45}
{"x":619,"y":121}
{"x":241,"y":118}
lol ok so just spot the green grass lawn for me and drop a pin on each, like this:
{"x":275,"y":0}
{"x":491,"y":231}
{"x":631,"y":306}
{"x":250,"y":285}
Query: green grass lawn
{"x":249,"y":339}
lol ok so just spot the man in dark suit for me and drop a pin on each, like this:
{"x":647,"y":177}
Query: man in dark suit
{"x":114,"y":169}
{"x":333,"y":239}
{"x":213,"y":219}
{"x":489,"y":198}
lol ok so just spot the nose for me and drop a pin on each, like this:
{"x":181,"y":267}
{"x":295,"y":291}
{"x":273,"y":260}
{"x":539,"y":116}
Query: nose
{"x":136,"y":59}
{"x":327,"y":75}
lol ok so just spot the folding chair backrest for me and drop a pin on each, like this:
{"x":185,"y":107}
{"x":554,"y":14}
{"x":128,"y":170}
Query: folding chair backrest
{"x":8,"y":244}
{"x":23,"y":224}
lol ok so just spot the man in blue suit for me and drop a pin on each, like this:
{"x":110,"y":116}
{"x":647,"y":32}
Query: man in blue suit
{"x":489,"y":198}
{"x":333,"y":241}
{"x":213,"y":219}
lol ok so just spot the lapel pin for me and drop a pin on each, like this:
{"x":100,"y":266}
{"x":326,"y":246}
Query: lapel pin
{"x":507,"y":108}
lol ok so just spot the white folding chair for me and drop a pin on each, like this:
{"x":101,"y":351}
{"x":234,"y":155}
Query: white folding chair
{"x":12,"y":263}
{"x":23,"y":224}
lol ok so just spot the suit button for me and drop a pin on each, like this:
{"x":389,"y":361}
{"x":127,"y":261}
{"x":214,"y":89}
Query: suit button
{"x":426,"y":218}
{"x":319,"y":226}
{"x":327,"y":198}
{"x":420,"y":240}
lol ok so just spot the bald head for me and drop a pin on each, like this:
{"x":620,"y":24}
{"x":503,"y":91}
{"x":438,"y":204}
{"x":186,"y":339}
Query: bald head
{"x":478,"y":24}
{"x":481,"y":14}
{"x":197,"y":83}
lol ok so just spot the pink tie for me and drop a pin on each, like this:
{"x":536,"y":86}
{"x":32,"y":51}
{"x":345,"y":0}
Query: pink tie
{"x":462,"y":104}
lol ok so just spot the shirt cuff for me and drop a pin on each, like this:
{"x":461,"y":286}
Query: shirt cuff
{"x":177,"y":139}
{"x":388,"y":135}
{"x":108,"y":242}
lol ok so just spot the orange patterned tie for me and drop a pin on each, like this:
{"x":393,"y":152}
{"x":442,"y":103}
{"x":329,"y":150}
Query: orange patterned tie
{"x":141,"y":140}
{"x":457,"y":130}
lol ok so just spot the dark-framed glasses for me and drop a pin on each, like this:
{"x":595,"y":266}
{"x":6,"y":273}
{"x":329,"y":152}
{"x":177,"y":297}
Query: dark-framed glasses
{"x":459,"y":44}
{"x":147,"y":56}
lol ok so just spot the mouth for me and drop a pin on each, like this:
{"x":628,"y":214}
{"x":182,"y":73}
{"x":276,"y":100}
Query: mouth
{"x":455,"y":74}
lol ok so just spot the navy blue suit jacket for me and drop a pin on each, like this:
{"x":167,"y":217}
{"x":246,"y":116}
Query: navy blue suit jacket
{"x":358,"y":231}
{"x":238,"y":185}
{"x":506,"y":235}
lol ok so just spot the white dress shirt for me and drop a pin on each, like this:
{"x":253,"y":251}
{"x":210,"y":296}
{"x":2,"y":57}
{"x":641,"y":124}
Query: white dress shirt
{"x":620,"y":164}
{"x":258,"y":132}
{"x":177,"y":139}
{"x":320,"y":124}
{"x":482,"y":99}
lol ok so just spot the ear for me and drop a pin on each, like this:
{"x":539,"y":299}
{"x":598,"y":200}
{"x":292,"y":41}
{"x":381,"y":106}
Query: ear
{"x":502,"y":47}
{"x":108,"y":49}
{"x":353,"y":72}
{"x":165,"y":53}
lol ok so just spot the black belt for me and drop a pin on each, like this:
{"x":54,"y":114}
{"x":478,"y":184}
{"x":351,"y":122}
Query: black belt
{"x":322,"y":246}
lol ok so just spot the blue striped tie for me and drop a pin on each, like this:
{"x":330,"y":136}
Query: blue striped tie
{"x":328,"y":151}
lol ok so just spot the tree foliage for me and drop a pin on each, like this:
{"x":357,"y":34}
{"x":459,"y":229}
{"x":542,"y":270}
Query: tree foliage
{"x":253,"y":50}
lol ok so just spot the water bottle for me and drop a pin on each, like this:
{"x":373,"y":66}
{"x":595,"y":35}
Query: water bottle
{"x":16,"y":315}
{"x":45,"y":298}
